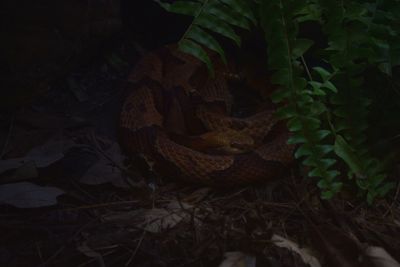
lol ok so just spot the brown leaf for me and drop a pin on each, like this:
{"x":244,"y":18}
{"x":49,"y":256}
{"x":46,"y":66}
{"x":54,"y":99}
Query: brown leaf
{"x":305,"y":255}
{"x":41,"y":156}
{"x":157,"y":220}
{"x":238,"y":259}
{"x":380,"y":258}
{"x":105,"y":170}
{"x":28,"y":195}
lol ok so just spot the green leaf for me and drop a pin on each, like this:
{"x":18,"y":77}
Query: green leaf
{"x":315,"y":85}
{"x":325,"y":75}
{"x":323,"y":149}
{"x":300,"y":47}
{"x":330,"y":86}
{"x":296,"y":138}
{"x":321,"y":134}
{"x":311,"y":123}
{"x":336,"y":187}
{"x":376,"y":180}
{"x":189,"y":8}
{"x":213,"y":24}
{"x":242,"y":8}
{"x":323,"y":184}
{"x":371,"y":195}
{"x":279,"y":95}
{"x":196,"y":50}
{"x":281,"y":77}
{"x":202,"y":37}
{"x":286,"y":112}
{"x":308,"y":13}
{"x":347,"y":153}
{"x":310,"y":161}
{"x":303,"y":150}
{"x":299,"y":83}
{"x":326,"y":163}
{"x":332,"y":174}
{"x":384,"y":189}
{"x":228,"y":15}
{"x":294,"y":124}
{"x":327,"y":194}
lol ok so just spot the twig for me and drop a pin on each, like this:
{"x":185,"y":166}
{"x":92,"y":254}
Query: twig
{"x":101,"y":205}
{"x":306,"y":67}
{"x":136,"y":249}
{"x":393,"y":202}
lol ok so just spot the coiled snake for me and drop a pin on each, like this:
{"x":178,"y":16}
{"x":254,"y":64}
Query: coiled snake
{"x":179,"y":116}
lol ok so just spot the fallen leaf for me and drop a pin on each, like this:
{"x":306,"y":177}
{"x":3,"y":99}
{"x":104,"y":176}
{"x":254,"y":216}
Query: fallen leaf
{"x":158,"y":220}
{"x":380,"y":258}
{"x":86,"y":250}
{"x":238,"y":259}
{"x":105,"y":169}
{"x":41,"y":156}
{"x":11,"y":164}
{"x":25,"y":172}
{"x":28,"y":195}
{"x":303,"y":253}
{"x":47,"y":154}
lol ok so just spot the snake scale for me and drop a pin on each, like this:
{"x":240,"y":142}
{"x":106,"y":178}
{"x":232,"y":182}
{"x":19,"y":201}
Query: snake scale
{"x":179,"y":116}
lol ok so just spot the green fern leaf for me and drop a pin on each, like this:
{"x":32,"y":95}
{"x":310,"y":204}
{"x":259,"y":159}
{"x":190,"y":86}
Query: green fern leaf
{"x":241,"y":7}
{"x":196,"y":50}
{"x":189,"y":8}
{"x":199,"y":35}
{"x":213,"y":24}
{"x":228,"y":15}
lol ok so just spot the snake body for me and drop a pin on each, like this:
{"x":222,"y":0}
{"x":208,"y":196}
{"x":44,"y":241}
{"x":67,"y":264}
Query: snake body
{"x":179,"y":116}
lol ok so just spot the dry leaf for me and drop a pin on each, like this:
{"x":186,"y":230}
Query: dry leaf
{"x":158,"y":220}
{"x":42,"y":156}
{"x":25,"y":172}
{"x":105,"y":171}
{"x":86,"y":250}
{"x":28,"y":195}
{"x":238,"y":259}
{"x":303,"y":253}
{"x":380,"y":258}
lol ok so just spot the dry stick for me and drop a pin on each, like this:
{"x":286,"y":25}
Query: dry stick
{"x":393,"y":202}
{"x":136,"y":249}
{"x":102,"y":205}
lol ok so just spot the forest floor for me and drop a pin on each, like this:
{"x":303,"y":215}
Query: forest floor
{"x":69,"y":199}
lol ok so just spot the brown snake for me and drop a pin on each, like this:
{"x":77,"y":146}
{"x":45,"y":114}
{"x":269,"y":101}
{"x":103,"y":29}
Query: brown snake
{"x":179,"y":116}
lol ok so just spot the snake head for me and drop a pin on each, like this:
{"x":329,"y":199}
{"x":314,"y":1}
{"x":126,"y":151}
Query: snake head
{"x":229,"y":141}
{"x":241,"y":143}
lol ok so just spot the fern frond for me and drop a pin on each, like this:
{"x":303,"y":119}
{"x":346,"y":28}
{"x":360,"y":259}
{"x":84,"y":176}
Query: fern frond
{"x":327,"y":115}
{"x":350,"y":51}
{"x":280,"y":21}
{"x":211,"y":17}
